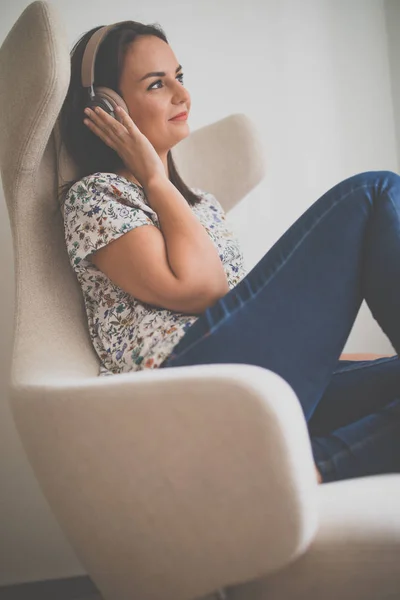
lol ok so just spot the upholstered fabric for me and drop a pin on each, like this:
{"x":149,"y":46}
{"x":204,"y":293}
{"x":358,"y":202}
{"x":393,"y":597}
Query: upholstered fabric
{"x":355,"y":554}
{"x":51,"y":337}
{"x":190,"y":501}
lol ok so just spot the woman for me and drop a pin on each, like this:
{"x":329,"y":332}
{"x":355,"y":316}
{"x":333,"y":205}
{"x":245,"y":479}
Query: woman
{"x":175,"y":292}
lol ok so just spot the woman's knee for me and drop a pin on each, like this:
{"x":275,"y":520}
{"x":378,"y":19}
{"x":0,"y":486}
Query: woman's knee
{"x":388,"y":185}
{"x":380,"y":182}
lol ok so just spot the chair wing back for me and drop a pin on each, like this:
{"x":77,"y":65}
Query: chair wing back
{"x":51,"y":337}
{"x":225,"y":158}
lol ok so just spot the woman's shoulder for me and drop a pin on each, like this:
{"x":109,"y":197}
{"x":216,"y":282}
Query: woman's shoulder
{"x":106,"y":186}
{"x":208,"y":200}
{"x":205,"y":196}
{"x":103,"y":179}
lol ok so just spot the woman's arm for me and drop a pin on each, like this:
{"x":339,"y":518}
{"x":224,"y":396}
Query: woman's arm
{"x":192,"y":255}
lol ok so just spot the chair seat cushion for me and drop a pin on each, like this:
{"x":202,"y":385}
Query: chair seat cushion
{"x":355,"y":554}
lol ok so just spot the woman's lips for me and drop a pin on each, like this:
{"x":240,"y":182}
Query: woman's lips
{"x":180,"y":118}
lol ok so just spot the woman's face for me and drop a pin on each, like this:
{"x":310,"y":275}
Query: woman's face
{"x":153,"y":100}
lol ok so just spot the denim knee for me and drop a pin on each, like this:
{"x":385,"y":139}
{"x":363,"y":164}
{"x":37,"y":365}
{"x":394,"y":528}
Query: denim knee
{"x":390,"y":177}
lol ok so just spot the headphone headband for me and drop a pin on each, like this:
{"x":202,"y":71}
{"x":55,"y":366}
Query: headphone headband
{"x":89,"y":56}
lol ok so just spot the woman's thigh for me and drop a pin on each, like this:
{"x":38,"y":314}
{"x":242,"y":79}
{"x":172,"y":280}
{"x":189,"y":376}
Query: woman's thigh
{"x":294,"y":310}
{"x":357,"y":388}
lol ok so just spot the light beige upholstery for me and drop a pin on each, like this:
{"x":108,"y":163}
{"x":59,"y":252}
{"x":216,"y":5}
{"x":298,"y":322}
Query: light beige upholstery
{"x":174,"y":483}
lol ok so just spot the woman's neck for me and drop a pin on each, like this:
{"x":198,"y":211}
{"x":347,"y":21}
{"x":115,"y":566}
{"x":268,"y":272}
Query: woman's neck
{"x":128,"y":175}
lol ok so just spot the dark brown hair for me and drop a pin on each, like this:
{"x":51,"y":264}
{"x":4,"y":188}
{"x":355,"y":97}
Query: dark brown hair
{"x":89,"y":153}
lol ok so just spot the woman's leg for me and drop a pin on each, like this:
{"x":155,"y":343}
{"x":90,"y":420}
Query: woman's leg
{"x":357,"y":389}
{"x":369,"y":446}
{"x":355,"y":429}
{"x":294,"y":311}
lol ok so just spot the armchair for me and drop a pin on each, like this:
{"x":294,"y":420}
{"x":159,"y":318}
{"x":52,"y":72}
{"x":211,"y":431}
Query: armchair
{"x":169,"y":484}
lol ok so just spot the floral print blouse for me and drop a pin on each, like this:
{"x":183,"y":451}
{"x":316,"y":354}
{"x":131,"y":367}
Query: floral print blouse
{"x":128,"y":334}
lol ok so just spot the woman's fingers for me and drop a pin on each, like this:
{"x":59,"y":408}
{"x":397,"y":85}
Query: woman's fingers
{"x":114,"y":132}
{"x":125,"y":119}
{"x":106,"y":127}
{"x":106,"y":123}
{"x":96,"y":129}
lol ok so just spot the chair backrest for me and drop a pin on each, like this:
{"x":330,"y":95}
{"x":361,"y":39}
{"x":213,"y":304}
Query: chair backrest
{"x":51,"y":337}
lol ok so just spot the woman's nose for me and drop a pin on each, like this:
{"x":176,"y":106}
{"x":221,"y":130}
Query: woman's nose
{"x":181,"y":93}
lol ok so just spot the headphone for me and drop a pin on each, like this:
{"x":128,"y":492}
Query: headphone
{"x":101,"y":96}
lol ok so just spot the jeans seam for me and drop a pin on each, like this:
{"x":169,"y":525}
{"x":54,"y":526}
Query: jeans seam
{"x":366,"y":364}
{"x":186,"y":350}
{"x":356,"y":446}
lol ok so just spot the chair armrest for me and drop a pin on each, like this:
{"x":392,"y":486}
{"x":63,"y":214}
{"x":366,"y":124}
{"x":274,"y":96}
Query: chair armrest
{"x":174,"y":482}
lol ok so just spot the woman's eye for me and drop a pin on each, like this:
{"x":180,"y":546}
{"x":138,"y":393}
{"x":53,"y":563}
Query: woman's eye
{"x":151,"y":87}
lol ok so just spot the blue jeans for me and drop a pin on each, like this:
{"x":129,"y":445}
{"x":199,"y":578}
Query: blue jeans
{"x":293,"y":313}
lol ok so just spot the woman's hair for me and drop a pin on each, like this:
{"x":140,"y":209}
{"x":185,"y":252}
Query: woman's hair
{"x":89,"y":153}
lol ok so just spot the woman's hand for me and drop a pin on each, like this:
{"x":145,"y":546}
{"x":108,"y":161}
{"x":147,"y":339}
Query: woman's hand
{"x":135,"y":150}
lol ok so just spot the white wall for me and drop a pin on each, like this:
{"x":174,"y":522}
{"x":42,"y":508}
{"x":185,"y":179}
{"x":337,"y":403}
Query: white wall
{"x":315,"y":78}
{"x":392,"y":14}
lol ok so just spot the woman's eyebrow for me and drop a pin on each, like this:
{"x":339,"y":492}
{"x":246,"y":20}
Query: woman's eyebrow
{"x":159,"y":73}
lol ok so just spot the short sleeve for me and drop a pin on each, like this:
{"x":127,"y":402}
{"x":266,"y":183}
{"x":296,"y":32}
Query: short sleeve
{"x":98,"y":211}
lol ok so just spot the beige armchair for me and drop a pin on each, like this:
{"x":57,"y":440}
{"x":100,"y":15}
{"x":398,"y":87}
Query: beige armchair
{"x":169,"y":484}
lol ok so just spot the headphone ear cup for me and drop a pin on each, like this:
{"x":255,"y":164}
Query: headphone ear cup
{"x":108,"y":100}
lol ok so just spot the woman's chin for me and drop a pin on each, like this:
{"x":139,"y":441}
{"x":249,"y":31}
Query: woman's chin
{"x":180,"y":135}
